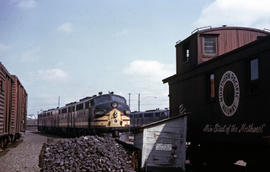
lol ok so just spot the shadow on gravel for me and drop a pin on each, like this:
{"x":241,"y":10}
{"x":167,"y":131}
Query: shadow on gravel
{"x":10,"y":146}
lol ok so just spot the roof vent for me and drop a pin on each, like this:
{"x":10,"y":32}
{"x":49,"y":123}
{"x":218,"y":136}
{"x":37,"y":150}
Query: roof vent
{"x":224,"y":25}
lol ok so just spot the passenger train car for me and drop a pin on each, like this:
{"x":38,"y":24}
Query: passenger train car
{"x":222,"y":80}
{"x":13,"y":107}
{"x":96,"y":114}
{"x":138,"y":119}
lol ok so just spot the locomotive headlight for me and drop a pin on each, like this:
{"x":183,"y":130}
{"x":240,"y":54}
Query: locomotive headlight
{"x":127,"y":112}
{"x":114,"y":104}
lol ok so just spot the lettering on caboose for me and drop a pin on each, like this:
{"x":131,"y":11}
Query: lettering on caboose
{"x":233,"y":128}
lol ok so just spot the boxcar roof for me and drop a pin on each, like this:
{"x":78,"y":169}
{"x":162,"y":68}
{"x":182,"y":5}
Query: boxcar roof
{"x":5,"y":70}
{"x":19,"y":83}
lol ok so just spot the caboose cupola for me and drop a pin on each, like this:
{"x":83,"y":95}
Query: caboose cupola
{"x":206,"y":44}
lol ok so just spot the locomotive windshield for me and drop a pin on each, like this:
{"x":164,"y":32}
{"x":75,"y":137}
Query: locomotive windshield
{"x":118,"y":99}
{"x":102,"y":99}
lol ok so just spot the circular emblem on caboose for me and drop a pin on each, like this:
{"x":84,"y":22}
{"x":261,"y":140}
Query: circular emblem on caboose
{"x":229,"y":93}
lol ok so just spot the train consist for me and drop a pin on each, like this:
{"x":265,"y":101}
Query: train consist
{"x":96,"y":114}
{"x":222,"y":80}
{"x":13,"y":107}
{"x":138,"y":119}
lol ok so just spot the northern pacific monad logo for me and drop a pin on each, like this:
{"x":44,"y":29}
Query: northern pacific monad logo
{"x":229,"y":93}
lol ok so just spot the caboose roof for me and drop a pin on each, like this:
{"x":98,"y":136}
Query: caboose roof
{"x":210,"y":30}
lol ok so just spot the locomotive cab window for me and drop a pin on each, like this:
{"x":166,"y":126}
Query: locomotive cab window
{"x":102,"y":99}
{"x":210,"y":45}
{"x":118,"y":99}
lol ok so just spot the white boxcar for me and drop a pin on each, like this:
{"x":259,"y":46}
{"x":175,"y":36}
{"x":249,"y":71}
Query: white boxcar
{"x":163,"y":144}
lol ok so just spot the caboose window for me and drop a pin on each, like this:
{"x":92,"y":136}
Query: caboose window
{"x":212,"y":86}
{"x":254,"y":69}
{"x":210,"y":45}
{"x":186,"y":52}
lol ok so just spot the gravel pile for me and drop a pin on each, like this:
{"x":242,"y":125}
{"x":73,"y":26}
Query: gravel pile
{"x":89,"y":153}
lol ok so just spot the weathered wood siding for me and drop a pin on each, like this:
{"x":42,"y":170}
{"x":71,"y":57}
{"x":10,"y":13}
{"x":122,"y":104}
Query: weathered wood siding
{"x":19,"y":106}
{"x":163,"y":144}
{"x":228,"y":40}
{"x":5,"y":100}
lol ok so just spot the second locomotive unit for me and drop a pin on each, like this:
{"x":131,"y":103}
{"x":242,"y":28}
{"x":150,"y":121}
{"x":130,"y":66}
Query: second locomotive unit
{"x":140,"y":118}
{"x":91,"y":115}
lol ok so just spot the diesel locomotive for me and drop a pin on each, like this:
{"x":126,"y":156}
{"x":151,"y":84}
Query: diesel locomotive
{"x":138,"y":119}
{"x":91,"y":115}
{"x":222,"y":80}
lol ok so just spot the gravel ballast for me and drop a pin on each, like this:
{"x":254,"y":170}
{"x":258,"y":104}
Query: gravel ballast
{"x":25,"y":156}
{"x":87,"y":153}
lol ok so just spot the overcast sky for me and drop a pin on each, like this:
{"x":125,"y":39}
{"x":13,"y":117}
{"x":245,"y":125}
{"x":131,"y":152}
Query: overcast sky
{"x":74,"y":49}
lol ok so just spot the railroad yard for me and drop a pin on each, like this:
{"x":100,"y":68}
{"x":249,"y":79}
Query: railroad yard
{"x":207,"y":126}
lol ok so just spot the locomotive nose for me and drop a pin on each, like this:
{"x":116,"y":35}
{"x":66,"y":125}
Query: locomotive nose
{"x":115,"y":118}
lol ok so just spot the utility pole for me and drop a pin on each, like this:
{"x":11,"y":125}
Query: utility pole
{"x":129,"y":109}
{"x":129,"y":99}
{"x":139,"y":102}
{"x":58,"y":101}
